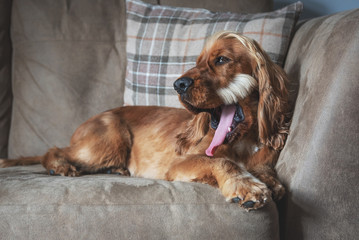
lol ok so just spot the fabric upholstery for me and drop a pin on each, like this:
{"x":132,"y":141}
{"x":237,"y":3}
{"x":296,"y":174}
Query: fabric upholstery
{"x":69,"y":60}
{"x":5,"y":76}
{"x":163,"y":42}
{"x":242,"y":6}
{"x":69,"y":63}
{"x":34,"y":205}
{"x":68,"y":66}
{"x":319,"y":164}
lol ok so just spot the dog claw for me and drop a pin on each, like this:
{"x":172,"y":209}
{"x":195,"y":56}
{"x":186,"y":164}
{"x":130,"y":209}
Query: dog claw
{"x":236,"y":200}
{"x":248,"y":204}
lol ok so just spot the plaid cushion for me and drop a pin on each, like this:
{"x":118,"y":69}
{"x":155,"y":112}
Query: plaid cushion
{"x":163,"y":42}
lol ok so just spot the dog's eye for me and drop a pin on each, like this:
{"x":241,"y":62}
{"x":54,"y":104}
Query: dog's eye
{"x":221,"y":60}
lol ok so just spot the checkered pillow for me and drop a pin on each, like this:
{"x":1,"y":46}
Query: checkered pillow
{"x":163,"y":42}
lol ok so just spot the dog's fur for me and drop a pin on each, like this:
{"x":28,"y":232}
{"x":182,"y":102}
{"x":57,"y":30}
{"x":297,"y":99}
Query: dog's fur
{"x":167,"y":143}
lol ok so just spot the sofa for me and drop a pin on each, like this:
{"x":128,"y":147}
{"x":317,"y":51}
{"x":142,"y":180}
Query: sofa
{"x":62,"y":62}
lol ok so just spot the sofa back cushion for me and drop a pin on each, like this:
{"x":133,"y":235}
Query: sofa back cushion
{"x":239,"y":6}
{"x":163,"y":42}
{"x":69,"y":63}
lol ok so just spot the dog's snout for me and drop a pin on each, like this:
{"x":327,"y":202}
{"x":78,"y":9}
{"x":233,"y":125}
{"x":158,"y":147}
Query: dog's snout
{"x":182,"y":84}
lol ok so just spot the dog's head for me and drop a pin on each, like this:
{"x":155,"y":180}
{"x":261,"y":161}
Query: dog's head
{"x":235,"y":80}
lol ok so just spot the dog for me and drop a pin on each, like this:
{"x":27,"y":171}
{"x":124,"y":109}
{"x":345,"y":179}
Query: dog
{"x":229,"y":135}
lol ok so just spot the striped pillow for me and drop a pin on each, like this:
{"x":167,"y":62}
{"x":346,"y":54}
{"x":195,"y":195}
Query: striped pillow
{"x":163,"y":42}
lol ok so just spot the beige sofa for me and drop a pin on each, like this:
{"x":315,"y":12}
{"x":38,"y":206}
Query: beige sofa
{"x":65,"y":61}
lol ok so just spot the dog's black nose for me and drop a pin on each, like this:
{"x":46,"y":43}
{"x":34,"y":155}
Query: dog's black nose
{"x":182,"y":84}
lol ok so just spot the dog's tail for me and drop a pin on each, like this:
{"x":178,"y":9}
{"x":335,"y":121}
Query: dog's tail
{"x":23,"y":161}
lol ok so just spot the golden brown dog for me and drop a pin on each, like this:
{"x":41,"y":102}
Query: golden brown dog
{"x":234,"y":126}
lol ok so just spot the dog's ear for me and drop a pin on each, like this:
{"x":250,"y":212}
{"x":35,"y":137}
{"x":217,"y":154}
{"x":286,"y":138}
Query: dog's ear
{"x":273,"y":107}
{"x":194,"y":132}
{"x":273,"y":115}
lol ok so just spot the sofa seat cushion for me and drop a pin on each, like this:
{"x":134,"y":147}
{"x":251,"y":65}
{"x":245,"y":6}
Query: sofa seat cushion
{"x":34,"y":205}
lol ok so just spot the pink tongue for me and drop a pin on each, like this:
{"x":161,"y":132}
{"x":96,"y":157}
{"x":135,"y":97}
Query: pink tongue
{"x":225,"y":122}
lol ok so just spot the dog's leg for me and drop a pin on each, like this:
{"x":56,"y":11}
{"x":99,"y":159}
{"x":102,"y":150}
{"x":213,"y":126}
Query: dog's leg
{"x":268,"y":175}
{"x":57,"y":162}
{"x":102,"y":144}
{"x":236,"y":184}
{"x":119,"y":171}
{"x":261,"y":165}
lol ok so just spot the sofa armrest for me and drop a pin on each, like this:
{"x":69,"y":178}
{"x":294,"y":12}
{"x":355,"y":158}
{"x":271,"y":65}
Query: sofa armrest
{"x":319,"y":163}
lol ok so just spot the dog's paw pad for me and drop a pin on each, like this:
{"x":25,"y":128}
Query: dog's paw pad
{"x":248,"y":193}
{"x":63,"y":170}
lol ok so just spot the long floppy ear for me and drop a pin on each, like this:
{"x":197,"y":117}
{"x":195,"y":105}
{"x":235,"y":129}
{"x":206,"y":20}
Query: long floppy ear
{"x":273,"y":107}
{"x":194,"y":132}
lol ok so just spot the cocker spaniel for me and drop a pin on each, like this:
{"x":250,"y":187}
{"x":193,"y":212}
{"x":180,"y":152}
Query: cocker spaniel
{"x":229,"y":136}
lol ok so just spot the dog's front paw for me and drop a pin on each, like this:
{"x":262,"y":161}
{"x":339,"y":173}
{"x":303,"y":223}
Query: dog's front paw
{"x":64,"y":169}
{"x":273,"y":184}
{"x":248,"y":192}
{"x":119,"y":171}
{"x":276,"y":187}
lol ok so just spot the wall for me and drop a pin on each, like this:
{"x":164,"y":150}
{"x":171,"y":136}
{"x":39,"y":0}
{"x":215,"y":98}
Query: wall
{"x":316,"y":8}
